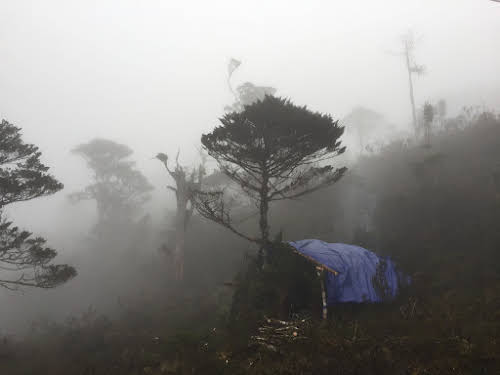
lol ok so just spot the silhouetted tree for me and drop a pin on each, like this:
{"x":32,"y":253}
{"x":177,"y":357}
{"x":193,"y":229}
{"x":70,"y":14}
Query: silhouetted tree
{"x":24,"y":259}
{"x":187,"y":183}
{"x":118,"y":188}
{"x":428,"y":112}
{"x":272,"y":150}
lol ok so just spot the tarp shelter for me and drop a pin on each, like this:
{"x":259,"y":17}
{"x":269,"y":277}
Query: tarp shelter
{"x":351,"y":271}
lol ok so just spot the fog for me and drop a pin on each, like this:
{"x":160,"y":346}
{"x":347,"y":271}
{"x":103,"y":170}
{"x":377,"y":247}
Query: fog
{"x":152,"y":75}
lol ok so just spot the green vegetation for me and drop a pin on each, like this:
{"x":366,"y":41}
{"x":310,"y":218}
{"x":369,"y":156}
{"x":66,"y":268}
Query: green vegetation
{"x":24,"y":259}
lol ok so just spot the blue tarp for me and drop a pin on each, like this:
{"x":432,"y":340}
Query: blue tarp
{"x":356,"y":269}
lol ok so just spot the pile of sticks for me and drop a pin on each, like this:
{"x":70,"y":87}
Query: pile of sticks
{"x":273,"y":333}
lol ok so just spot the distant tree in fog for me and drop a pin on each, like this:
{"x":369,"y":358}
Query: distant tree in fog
{"x":442,"y":108}
{"x":246,"y":93}
{"x":118,"y":188}
{"x":441,"y":111}
{"x":24,"y":259}
{"x":365,"y":123}
{"x":187,"y":183}
{"x":272,"y":150}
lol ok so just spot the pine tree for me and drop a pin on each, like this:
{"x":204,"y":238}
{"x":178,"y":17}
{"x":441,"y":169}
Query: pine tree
{"x":24,"y":259}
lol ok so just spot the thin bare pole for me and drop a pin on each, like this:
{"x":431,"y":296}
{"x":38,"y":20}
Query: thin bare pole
{"x":321,"y":276}
{"x":408,"y":41}
{"x":410,"y":82}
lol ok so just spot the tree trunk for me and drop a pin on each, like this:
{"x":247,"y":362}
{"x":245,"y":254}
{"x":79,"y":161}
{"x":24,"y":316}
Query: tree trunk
{"x":180,"y":238}
{"x":428,"y":133}
{"x":263,"y":222}
{"x":184,"y":188}
{"x":412,"y":98}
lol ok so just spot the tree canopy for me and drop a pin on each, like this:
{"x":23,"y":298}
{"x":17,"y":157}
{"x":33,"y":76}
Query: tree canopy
{"x":365,"y":126}
{"x":22,"y":175}
{"x":24,"y":259}
{"x":274,"y":150}
{"x":119,"y":189}
{"x":248,"y":93}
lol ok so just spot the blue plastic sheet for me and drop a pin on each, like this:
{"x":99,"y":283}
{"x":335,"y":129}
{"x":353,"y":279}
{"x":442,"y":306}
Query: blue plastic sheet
{"x":356,"y":269}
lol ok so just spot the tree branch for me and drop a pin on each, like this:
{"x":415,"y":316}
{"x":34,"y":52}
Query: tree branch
{"x":210,"y":205}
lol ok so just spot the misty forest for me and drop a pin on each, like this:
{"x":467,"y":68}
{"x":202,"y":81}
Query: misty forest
{"x":267,"y":187}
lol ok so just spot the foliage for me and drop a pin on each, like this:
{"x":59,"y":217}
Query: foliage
{"x":272,"y":150}
{"x":429,"y":112}
{"x":22,"y":175}
{"x":248,"y":93}
{"x":287,"y":285}
{"x":27,"y":260}
{"x":119,"y":189}
{"x":24,"y":260}
{"x":365,"y":124}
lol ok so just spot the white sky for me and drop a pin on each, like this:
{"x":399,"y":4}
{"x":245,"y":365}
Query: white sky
{"x":151,"y":74}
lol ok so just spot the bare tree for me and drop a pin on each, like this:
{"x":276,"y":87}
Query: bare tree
{"x":408,"y":52}
{"x":187,"y":183}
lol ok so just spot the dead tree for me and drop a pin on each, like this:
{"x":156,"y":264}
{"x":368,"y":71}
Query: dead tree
{"x":187,"y":183}
{"x":412,"y":67}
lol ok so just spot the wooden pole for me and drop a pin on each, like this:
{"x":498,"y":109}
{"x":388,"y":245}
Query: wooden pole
{"x":321,"y":275}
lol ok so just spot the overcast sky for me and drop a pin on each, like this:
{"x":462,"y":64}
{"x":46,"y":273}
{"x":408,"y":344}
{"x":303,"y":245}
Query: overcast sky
{"x":151,"y":74}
